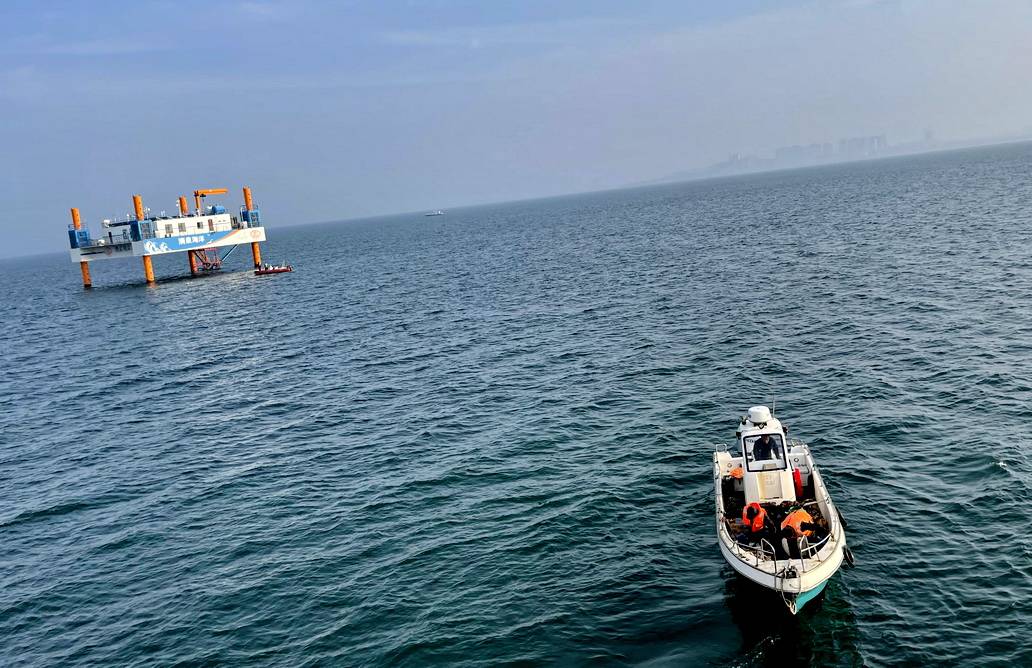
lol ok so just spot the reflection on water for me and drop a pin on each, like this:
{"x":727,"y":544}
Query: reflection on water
{"x":824,"y":633}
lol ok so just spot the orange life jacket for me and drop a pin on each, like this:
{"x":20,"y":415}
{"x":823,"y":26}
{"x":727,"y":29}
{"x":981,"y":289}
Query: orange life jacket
{"x":737,"y":472}
{"x":795,"y":520}
{"x":756,"y":523}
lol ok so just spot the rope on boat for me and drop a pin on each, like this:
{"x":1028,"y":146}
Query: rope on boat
{"x":779,"y":585}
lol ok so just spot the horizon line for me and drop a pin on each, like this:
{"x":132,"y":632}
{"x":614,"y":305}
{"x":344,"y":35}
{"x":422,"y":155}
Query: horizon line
{"x":957,"y":146}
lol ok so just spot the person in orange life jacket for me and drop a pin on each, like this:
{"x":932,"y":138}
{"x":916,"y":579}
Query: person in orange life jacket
{"x":797,"y":524}
{"x":800,"y":522}
{"x":765,"y":447}
{"x":754,"y":517}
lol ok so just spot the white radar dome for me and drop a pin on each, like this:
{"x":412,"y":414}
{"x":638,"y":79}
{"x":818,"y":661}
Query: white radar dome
{"x":759,"y":414}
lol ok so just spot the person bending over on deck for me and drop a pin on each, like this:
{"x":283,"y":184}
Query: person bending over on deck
{"x":799,"y":523}
{"x":765,"y":447}
{"x":756,"y":525}
{"x":754,"y":518}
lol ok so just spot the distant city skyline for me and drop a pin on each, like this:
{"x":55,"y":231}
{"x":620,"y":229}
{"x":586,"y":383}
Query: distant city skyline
{"x":845,"y":149}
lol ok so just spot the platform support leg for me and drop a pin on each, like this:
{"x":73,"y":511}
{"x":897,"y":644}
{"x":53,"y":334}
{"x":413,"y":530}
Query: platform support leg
{"x":87,"y":282}
{"x":193,"y":262}
{"x":148,"y":269}
{"x":256,"y":253}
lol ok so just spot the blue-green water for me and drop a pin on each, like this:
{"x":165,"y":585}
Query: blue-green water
{"x":484,"y":438}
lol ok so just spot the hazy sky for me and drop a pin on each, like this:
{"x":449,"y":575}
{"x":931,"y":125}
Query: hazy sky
{"x":347,"y":109}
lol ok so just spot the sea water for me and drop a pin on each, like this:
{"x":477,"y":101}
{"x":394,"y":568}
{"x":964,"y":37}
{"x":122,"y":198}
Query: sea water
{"x":485,"y":438}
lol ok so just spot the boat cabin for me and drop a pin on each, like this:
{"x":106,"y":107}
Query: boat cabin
{"x":766,"y":474}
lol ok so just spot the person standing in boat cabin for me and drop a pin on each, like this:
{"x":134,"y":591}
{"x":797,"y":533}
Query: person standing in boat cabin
{"x":765,"y":447}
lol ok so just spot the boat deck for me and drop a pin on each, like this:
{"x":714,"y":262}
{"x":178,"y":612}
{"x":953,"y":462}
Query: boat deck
{"x":734,"y":503}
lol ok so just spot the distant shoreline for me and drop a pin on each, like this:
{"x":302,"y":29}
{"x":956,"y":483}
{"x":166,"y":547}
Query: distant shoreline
{"x":707,"y":173}
{"x":950,"y":147}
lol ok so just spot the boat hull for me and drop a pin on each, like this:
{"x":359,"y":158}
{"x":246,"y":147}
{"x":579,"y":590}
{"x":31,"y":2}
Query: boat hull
{"x":796,"y":592}
{"x":806,"y":597}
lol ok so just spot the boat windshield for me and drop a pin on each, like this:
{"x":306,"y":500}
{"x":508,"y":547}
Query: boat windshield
{"x":765,"y":452}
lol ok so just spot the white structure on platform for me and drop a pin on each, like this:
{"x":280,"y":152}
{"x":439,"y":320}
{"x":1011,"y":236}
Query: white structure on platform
{"x":166,"y":235}
{"x":198,"y":232}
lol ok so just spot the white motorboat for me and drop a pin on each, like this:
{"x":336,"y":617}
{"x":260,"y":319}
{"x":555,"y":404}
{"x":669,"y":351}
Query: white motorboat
{"x":781,"y":477}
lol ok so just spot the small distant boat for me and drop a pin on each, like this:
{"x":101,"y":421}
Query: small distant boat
{"x":266,"y":269}
{"x":434,"y":213}
{"x":771,"y":484}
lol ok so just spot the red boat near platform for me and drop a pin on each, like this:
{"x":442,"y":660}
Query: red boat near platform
{"x":273,"y":269}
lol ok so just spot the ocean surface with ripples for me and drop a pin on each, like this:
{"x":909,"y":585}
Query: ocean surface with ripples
{"x":485,"y":438}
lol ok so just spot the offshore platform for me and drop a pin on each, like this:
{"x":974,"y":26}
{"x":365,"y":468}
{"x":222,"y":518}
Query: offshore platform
{"x":198,"y":233}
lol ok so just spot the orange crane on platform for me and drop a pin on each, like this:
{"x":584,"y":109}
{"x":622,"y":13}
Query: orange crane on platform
{"x":256,"y":253}
{"x":204,"y":192}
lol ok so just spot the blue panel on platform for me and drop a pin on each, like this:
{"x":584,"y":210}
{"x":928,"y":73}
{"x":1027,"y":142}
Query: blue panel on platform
{"x":251,"y":216}
{"x":79,"y":238}
{"x":186,"y":242}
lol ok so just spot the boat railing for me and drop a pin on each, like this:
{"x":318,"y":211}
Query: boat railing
{"x":766,"y":548}
{"x":831,"y":514}
{"x":758,"y":551}
{"x":721,"y":447}
{"x":813,"y":551}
